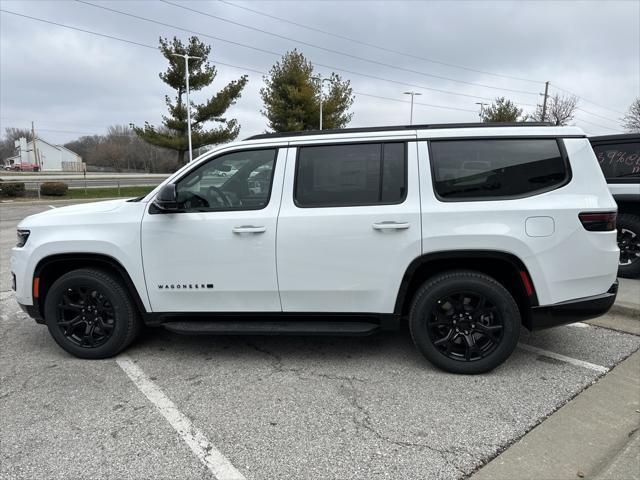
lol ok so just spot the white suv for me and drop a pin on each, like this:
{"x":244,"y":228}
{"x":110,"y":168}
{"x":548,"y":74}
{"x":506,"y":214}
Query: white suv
{"x":466,"y":231}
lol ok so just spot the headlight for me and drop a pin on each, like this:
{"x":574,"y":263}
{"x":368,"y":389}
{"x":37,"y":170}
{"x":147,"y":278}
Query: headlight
{"x":23,"y":236}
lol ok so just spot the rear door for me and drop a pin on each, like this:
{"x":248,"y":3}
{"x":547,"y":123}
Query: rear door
{"x":349,"y":225}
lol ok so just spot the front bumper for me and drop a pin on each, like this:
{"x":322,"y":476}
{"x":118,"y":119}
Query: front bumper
{"x":572,"y":311}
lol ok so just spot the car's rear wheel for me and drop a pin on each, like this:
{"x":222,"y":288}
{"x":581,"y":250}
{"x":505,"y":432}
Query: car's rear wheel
{"x":629,"y":244}
{"x":464,"y":322}
{"x":90,"y":314}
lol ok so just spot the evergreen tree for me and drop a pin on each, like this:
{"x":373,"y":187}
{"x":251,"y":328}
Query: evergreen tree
{"x":173,"y":133}
{"x":502,"y":110}
{"x":291,"y":97}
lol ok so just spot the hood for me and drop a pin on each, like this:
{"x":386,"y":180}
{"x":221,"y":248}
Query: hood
{"x":78,"y":210}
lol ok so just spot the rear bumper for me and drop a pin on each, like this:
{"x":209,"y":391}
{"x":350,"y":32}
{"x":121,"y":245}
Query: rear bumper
{"x":572,"y":311}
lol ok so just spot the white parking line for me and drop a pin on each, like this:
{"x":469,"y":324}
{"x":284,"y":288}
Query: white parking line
{"x":563,"y":358}
{"x":217,"y":463}
{"x":51,"y":206}
{"x":579,"y":325}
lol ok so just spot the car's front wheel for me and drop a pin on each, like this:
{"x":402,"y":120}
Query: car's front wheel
{"x":90,"y":313}
{"x":464,"y":322}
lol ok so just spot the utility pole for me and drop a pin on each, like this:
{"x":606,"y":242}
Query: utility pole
{"x":186,"y":73}
{"x":321,"y":81}
{"x":35,"y":149}
{"x":544,"y":102}
{"x":482,"y":104}
{"x":413,"y":94}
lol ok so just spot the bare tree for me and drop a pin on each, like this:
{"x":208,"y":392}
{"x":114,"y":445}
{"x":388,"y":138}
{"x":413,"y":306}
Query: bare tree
{"x":631,"y":120}
{"x":560,"y":109}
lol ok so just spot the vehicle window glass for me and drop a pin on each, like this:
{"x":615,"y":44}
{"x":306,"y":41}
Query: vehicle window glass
{"x":619,"y":160}
{"x":235,"y":181}
{"x":394,"y":178}
{"x":350,"y":175}
{"x":485,"y":169}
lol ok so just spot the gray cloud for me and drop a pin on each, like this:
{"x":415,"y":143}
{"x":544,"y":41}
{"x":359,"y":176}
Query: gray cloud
{"x":73,"y":83}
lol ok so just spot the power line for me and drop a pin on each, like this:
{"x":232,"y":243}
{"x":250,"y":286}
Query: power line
{"x":379,"y":47}
{"x":587,"y":101}
{"x":415,"y":103}
{"x":596,"y":115}
{"x":330,"y":50}
{"x":145,"y":19}
{"x":78,"y":29}
{"x":242,"y":68}
{"x":598,"y":125}
{"x":374,"y":77}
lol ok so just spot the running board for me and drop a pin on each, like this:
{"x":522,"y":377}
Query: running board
{"x":267,"y":327}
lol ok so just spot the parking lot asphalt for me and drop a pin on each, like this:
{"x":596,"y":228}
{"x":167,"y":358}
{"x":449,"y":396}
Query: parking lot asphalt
{"x":274,"y":407}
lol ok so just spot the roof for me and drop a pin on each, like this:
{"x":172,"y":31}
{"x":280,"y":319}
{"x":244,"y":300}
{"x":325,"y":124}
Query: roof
{"x":435,"y":126}
{"x":615,"y":138}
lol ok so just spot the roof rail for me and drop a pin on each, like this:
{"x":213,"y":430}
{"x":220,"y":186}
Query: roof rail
{"x":434,"y":126}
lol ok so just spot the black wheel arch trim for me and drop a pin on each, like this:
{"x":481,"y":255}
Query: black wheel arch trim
{"x":89,"y":260}
{"x":510,"y":258}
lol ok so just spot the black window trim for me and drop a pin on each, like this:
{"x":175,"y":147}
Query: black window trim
{"x":605,"y":143}
{"x":153,"y":210}
{"x":371,"y":141}
{"x":561,"y":148}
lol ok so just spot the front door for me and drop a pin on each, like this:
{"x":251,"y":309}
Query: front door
{"x":218,"y":253}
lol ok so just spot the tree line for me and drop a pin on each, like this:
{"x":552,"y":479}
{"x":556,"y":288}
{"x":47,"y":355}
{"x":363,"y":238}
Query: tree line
{"x":292,"y":98}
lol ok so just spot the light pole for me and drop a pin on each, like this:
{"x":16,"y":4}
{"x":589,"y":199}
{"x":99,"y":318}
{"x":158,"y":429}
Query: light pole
{"x":321,"y":81}
{"x":186,"y":72}
{"x":413,"y":94}
{"x":481,"y":108}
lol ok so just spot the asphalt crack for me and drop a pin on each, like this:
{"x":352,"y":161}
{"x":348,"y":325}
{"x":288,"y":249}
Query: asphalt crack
{"x":361,"y":417}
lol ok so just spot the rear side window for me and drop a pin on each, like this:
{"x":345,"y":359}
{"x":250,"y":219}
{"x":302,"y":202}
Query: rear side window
{"x":619,"y":159}
{"x":494,"y":169}
{"x":351,"y":175}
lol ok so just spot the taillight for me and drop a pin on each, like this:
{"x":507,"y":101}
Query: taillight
{"x":598,"y":221}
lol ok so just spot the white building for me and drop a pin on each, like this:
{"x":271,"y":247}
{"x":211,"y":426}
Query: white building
{"x":47,"y":157}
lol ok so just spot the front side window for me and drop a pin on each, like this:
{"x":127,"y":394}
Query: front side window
{"x":619,"y":160}
{"x":234,"y":181}
{"x":493,"y":169}
{"x":351,"y":175}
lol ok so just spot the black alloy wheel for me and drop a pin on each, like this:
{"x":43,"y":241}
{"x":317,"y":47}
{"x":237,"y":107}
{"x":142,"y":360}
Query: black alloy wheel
{"x":465,"y":326}
{"x":86,"y":316}
{"x":464,"y":321}
{"x":629,"y":244}
{"x":90,"y":313}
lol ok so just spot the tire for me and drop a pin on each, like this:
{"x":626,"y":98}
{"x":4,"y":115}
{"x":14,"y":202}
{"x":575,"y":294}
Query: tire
{"x":454,"y":300}
{"x":629,"y":244}
{"x":90,"y":314}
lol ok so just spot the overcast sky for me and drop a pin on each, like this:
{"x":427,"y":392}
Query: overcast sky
{"x":73,"y":83}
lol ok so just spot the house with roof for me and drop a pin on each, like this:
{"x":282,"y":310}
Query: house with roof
{"x":45,"y":156}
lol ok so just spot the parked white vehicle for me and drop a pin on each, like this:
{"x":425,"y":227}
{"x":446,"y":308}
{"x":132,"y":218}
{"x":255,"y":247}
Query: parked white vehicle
{"x":466,"y":231}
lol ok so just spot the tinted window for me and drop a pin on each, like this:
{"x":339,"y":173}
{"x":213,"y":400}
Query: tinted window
{"x":357,"y":174}
{"x":619,"y":160}
{"x":485,"y":169}
{"x":235,"y":181}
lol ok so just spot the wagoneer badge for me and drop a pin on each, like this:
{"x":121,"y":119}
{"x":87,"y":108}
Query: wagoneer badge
{"x":186,"y":286}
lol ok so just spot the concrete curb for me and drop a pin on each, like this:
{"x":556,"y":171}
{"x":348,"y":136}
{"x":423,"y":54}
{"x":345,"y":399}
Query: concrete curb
{"x":586,"y":437}
{"x":626,"y":309}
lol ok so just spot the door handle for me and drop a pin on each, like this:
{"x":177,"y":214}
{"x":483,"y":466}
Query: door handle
{"x":391,"y":225}
{"x":249,"y":229}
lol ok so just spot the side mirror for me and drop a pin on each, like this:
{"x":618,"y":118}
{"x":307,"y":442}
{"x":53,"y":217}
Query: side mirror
{"x":167,"y":199}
